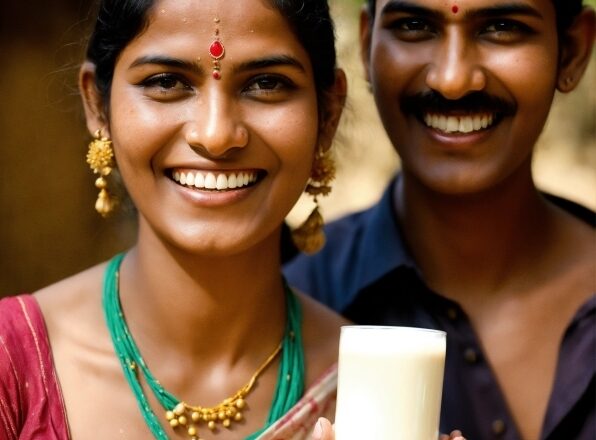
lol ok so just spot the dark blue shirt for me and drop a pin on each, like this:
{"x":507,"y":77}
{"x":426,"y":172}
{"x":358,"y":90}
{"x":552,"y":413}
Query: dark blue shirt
{"x":366,"y":273}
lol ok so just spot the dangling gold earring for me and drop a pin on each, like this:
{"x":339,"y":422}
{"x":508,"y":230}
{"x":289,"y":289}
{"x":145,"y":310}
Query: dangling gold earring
{"x":100,"y":158}
{"x":310,"y":237}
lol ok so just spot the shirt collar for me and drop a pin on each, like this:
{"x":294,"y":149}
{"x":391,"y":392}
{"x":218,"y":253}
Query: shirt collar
{"x":383,"y":247}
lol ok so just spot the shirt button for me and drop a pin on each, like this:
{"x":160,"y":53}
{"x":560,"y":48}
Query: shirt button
{"x":452,"y":313}
{"x":470,"y":356}
{"x":498,"y":426}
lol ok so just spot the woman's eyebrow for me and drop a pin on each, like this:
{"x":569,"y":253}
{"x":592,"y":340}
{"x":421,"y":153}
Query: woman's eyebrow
{"x":163,"y":60}
{"x":269,"y":61}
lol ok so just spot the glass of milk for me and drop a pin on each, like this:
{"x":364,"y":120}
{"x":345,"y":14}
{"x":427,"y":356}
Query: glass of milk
{"x":390,"y":382}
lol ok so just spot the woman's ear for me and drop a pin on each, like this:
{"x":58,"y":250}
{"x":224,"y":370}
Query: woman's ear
{"x":334,"y":105}
{"x":92,"y":100}
{"x":576,"y":50}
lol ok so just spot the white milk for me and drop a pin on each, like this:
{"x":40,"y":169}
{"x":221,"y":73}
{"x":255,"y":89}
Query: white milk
{"x":390,"y":383}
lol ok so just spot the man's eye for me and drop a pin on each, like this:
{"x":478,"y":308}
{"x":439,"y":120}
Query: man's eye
{"x":505,"y":30}
{"x":413,"y":25}
{"x":412,"y":29}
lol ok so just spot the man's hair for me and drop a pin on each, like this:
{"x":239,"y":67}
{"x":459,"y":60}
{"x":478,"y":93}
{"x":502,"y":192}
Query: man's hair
{"x":566,"y":11}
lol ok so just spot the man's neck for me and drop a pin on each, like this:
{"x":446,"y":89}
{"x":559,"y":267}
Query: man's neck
{"x":471,"y":243}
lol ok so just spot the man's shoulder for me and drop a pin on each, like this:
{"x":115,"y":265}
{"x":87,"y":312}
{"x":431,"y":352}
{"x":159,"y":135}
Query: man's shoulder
{"x":331,"y":275}
{"x":578,"y":211}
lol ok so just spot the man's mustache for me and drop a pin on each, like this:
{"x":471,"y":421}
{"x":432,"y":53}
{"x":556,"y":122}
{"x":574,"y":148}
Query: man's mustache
{"x":474,"y":102}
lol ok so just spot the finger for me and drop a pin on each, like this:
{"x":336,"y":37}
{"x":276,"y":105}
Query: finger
{"x":456,"y":435}
{"x":323,"y":430}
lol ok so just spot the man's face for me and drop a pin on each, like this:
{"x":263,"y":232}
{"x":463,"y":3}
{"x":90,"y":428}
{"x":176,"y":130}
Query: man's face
{"x":463,"y":87}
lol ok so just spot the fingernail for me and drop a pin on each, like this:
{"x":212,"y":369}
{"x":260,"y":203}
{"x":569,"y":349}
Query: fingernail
{"x":318,"y":431}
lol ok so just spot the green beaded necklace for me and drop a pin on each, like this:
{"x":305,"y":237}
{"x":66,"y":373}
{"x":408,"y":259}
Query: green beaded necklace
{"x":290,"y":379}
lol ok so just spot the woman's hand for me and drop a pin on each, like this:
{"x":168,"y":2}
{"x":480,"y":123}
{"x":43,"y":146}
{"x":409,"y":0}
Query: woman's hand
{"x":324,"y":431}
{"x":455,"y":435}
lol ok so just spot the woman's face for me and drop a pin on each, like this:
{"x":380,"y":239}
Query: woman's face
{"x":214,"y":158}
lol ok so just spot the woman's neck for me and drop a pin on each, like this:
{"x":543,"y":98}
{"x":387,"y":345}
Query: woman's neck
{"x":203,"y":304}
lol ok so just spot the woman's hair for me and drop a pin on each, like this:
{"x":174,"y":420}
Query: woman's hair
{"x":566,"y":11}
{"x":120,"y":21}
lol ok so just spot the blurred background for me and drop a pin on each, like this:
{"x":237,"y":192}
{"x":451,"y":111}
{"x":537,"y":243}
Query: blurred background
{"x":48,"y":225}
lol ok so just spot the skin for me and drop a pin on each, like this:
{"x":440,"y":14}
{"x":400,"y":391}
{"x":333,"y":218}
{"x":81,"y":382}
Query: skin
{"x":478,"y":228}
{"x":217,"y":251}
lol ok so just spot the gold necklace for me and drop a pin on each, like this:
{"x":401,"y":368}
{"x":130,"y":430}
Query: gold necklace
{"x":227,"y":411}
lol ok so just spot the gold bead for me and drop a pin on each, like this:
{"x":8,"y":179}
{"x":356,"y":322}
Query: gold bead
{"x":195,"y":416}
{"x":213,"y":417}
{"x":222,"y":415}
{"x":169,"y":415}
{"x":238,"y":416}
{"x":105,"y":171}
{"x":179,"y":409}
{"x":211,"y":425}
{"x":174,"y":423}
{"x":101,"y":183}
{"x":240,"y":403}
{"x":182,"y":420}
{"x":192,"y":431}
{"x":227,"y":423}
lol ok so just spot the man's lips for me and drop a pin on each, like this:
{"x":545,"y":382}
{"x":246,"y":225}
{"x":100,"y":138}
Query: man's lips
{"x":474,"y":112}
{"x":459,"y":124}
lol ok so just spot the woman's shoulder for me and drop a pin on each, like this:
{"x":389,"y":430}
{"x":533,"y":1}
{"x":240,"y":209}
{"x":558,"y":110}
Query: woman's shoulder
{"x":30,"y":400}
{"x":320,"y":332}
{"x":78,"y":296}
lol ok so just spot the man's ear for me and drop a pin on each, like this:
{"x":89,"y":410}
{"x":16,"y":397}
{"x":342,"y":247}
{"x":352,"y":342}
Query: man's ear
{"x":366,"y":24}
{"x":334,"y":105}
{"x":576,"y":50}
{"x":92,"y":100}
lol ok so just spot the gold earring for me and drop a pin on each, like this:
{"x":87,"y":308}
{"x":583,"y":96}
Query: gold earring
{"x":310,"y":237}
{"x":100,"y":158}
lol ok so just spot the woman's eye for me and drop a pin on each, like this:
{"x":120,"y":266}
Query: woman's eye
{"x":165,"y":83}
{"x":268,"y":84}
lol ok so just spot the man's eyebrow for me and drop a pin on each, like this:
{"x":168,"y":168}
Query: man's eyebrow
{"x":163,"y":60}
{"x":270,"y":61}
{"x":513,"y":8}
{"x":413,"y":8}
{"x":407,"y":7}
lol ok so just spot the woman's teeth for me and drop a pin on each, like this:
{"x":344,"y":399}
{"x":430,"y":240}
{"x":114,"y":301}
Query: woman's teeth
{"x":214,"y":181}
{"x":458,"y":124}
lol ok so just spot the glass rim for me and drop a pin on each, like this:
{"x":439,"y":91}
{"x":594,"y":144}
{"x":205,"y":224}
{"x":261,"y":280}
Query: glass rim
{"x":393,"y":328}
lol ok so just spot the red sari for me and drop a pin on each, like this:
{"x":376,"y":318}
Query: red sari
{"x":31,"y":403}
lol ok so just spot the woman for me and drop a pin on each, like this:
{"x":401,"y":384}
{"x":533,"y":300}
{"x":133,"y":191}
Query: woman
{"x":217,"y":113}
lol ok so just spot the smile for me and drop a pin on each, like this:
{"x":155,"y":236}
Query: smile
{"x":459,"y":124}
{"x":215,"y":181}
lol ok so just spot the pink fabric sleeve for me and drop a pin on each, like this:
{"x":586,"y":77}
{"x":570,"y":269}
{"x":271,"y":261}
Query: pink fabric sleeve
{"x":31,"y":404}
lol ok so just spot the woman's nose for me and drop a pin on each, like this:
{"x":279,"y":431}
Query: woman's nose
{"x":216,"y":127}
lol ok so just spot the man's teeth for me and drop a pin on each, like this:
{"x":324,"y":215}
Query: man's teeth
{"x":458,"y":124}
{"x":217,"y":181}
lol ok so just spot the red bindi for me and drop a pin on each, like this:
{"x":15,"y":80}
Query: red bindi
{"x":454,"y":9}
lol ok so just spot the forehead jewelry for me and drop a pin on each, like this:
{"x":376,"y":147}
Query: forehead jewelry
{"x":216,"y":51}
{"x":454,"y":9}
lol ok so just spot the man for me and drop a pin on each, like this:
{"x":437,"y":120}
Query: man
{"x":462,"y":240}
